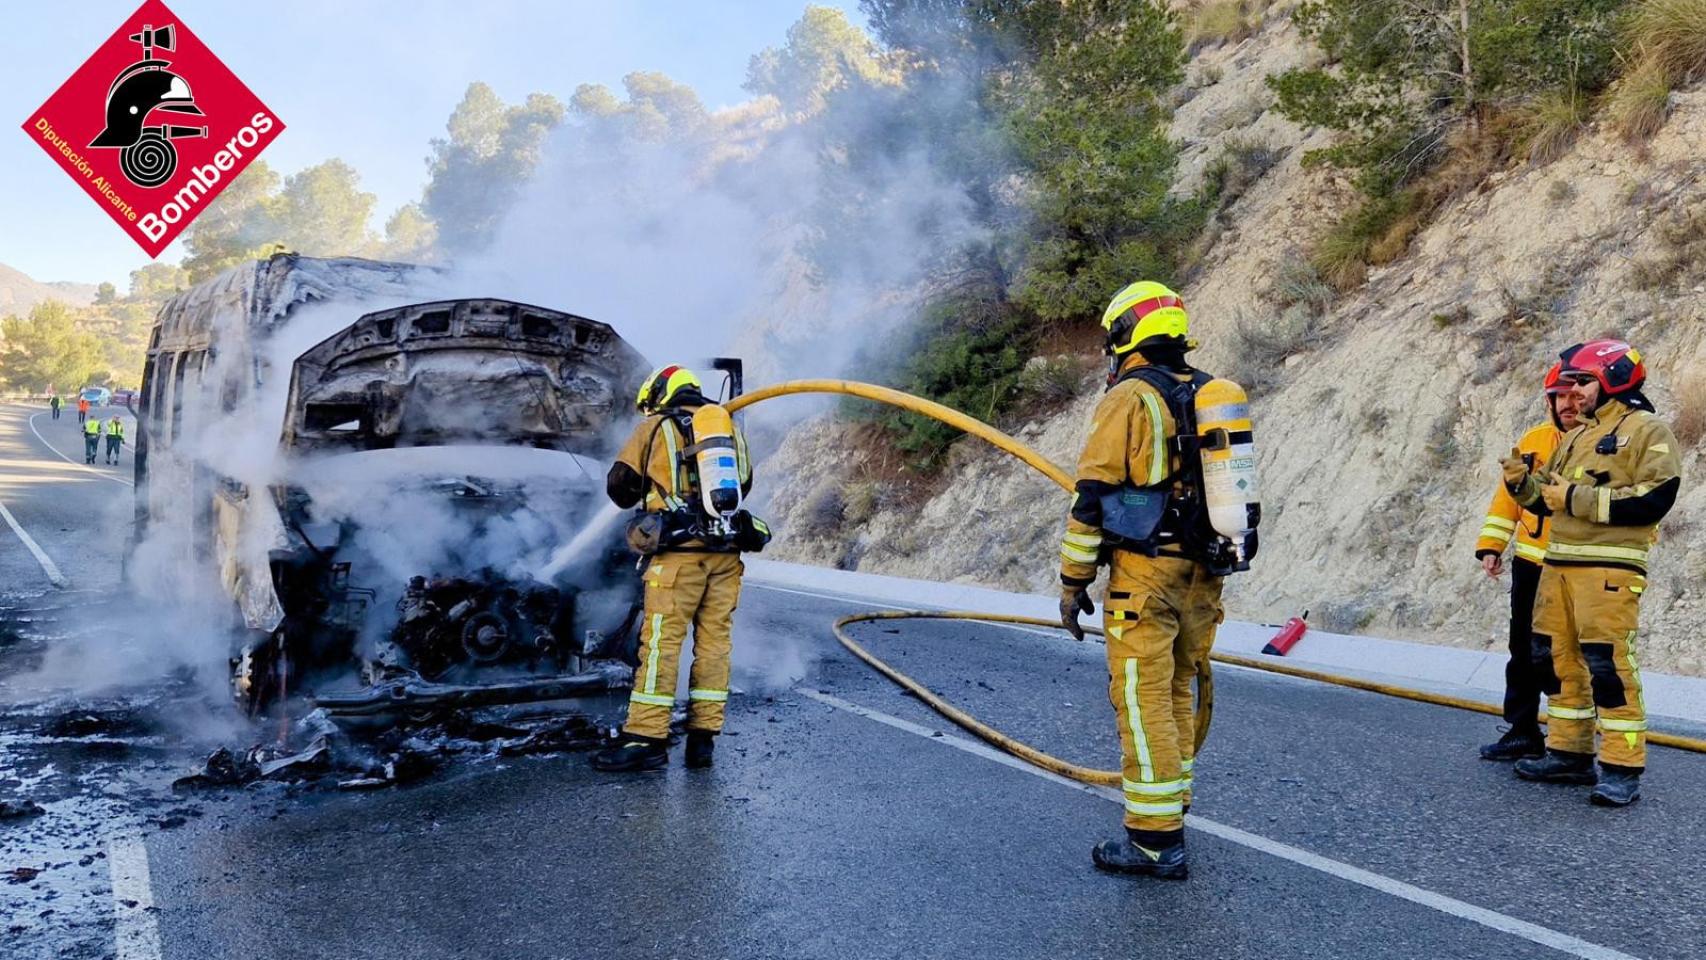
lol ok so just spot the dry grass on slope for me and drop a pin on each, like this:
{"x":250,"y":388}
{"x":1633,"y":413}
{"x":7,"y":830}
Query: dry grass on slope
{"x":1672,"y":34}
{"x":1667,"y":40}
{"x":1209,"y":22}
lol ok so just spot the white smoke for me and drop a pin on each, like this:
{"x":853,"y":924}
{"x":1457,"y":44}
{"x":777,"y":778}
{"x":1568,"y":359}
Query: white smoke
{"x":705,"y":245}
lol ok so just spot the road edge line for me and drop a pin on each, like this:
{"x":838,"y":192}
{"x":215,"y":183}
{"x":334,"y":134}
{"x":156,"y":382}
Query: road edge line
{"x":47,"y":565}
{"x":1492,"y":919}
{"x":135,"y":931}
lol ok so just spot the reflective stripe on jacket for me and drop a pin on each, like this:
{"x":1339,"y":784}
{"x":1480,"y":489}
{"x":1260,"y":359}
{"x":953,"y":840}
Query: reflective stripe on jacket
{"x":1128,"y":442}
{"x":1505,"y":519}
{"x":1623,"y":472}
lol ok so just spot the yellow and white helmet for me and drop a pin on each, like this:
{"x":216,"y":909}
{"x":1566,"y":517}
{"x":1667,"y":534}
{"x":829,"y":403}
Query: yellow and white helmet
{"x":662,"y":385}
{"x":1143,"y":313}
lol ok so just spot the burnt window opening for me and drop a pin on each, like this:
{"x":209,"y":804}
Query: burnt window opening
{"x":334,"y":417}
{"x":180,"y":367}
{"x":435,"y":321}
{"x":537,"y":327}
{"x":144,"y":404}
{"x":387,"y":328}
{"x":583,"y":334}
{"x":162,"y":376}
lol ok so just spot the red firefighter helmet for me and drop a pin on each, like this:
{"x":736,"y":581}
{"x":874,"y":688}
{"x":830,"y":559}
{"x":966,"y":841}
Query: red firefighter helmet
{"x":1554,"y":383}
{"x":1615,"y":364}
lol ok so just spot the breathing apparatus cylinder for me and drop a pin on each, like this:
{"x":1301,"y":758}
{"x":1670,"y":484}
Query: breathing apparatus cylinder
{"x":1228,"y":449}
{"x":717,"y":460}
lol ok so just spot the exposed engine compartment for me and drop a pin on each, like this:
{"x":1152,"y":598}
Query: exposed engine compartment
{"x":433,"y":516}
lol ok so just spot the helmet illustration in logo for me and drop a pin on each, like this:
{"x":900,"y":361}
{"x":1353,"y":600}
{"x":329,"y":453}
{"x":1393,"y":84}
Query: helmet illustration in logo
{"x":146,"y":154}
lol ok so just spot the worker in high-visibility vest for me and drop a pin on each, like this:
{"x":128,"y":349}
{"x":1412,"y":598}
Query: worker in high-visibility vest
{"x":1506,"y":522}
{"x":91,"y":438}
{"x":115,"y":438}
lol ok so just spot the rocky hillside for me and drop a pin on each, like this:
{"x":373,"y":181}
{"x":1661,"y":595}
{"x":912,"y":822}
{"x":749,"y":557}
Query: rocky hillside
{"x":1380,"y":413}
{"x":19,"y":292}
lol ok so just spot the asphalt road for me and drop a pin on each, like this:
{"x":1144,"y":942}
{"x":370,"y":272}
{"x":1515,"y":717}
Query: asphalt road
{"x":843,"y":819}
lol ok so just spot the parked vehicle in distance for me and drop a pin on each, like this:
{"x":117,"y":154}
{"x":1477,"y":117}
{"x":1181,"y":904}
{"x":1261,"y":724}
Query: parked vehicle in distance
{"x":97,"y":396}
{"x":124,"y":398}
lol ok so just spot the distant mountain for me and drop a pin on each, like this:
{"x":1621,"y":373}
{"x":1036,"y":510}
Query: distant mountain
{"x":19,"y":292}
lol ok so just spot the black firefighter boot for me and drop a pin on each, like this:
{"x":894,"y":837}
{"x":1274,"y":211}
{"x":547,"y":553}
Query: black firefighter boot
{"x":633,"y":753}
{"x":1617,"y":787}
{"x":1153,"y":853}
{"x":1558,"y":767}
{"x":1518,"y":743}
{"x":700,"y":747}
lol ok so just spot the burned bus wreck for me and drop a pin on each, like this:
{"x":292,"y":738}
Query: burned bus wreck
{"x":427,"y":526}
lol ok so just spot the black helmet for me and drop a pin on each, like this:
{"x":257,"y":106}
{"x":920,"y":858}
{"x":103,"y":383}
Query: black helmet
{"x":137,"y":92}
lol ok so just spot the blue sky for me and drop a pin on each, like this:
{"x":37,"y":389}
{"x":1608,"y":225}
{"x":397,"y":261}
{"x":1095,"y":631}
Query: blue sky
{"x":370,"y":82}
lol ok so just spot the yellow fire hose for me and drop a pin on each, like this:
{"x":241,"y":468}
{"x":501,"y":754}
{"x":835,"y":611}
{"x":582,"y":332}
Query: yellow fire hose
{"x":995,"y":737}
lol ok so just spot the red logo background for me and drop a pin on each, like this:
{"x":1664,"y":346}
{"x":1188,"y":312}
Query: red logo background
{"x":76,"y":113}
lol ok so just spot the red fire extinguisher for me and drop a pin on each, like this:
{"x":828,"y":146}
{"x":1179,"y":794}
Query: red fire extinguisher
{"x":1288,"y":636}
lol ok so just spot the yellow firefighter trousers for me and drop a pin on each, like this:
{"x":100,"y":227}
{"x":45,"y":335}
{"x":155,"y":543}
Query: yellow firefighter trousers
{"x":701,"y":589}
{"x":1160,"y":616}
{"x":1585,"y":617}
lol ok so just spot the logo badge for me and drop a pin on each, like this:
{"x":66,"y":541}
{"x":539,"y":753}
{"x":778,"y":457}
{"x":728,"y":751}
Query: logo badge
{"x":153,"y":126}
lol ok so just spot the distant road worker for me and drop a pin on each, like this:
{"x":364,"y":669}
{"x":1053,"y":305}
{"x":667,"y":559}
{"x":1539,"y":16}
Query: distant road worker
{"x":83,"y":411}
{"x":1611,"y":481}
{"x":115,"y":438}
{"x":1506,"y":521}
{"x":53,"y":403}
{"x":1141,"y":506}
{"x":91,"y":439}
{"x":692,"y":566}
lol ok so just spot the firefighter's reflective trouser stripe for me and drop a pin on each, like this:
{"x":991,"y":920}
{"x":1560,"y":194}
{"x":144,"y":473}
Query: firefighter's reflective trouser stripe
{"x":701,"y":589}
{"x":1585,"y":617}
{"x":1161,"y":615}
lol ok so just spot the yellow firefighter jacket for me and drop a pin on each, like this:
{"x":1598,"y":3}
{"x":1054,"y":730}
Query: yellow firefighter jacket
{"x":1129,"y":440}
{"x":1623,"y":473}
{"x":1505,"y":518}
{"x":667,"y":481}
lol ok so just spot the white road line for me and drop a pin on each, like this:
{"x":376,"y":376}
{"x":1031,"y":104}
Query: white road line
{"x":1534,"y":933}
{"x":137,"y":932}
{"x":47,"y":565}
{"x":75,"y":463}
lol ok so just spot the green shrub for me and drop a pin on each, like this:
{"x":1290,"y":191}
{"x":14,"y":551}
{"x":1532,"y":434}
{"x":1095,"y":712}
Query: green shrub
{"x":965,"y":353}
{"x":1344,"y":253}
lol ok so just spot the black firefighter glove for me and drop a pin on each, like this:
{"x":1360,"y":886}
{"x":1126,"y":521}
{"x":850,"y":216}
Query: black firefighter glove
{"x":1073,"y":600}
